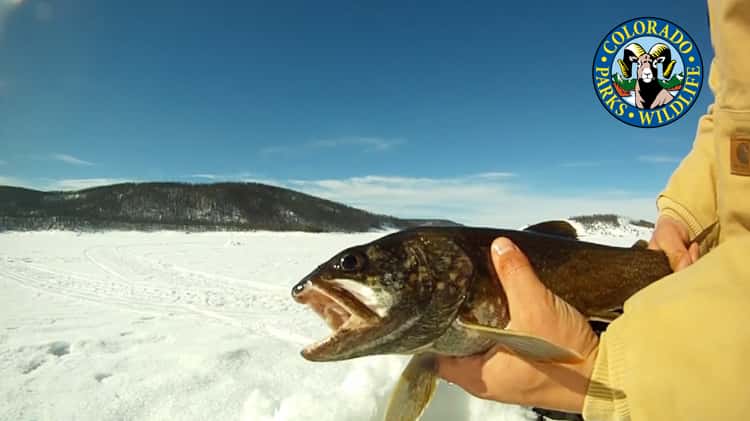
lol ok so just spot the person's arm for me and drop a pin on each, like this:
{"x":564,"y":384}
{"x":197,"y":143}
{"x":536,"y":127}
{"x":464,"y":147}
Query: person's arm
{"x":690,"y":194}
{"x":688,"y":205}
{"x":605,"y":400}
{"x":679,"y":351}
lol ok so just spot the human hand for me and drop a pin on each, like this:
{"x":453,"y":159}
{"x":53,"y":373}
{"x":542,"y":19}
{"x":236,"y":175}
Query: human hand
{"x":502,"y":376}
{"x":672,"y":237}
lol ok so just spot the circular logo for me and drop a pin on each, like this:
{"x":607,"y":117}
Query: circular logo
{"x":647,"y":72}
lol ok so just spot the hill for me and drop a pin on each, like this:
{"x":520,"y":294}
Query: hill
{"x":612,"y":227}
{"x":188,"y":207}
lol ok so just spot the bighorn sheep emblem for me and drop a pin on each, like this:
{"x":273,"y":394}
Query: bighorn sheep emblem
{"x":648,"y":92}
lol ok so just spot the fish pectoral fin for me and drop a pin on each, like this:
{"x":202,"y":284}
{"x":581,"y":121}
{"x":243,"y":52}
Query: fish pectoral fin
{"x":524,"y":345}
{"x":414,"y":389}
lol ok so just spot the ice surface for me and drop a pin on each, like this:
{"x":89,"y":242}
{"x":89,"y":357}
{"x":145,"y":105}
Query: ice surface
{"x":175,"y":326}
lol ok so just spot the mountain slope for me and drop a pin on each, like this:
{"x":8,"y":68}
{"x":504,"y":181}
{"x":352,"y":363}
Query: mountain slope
{"x":193,"y":207}
{"x":615,"y":229}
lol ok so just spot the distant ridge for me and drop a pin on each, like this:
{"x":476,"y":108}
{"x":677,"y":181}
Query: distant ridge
{"x":187,"y":207}
{"x":610,"y":219}
{"x":612,"y":225}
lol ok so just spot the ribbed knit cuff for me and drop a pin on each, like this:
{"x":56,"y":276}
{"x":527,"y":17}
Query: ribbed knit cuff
{"x":671,"y":208}
{"x":605,"y":400}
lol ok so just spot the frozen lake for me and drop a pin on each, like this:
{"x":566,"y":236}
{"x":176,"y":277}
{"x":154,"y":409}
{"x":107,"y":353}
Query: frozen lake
{"x":159,"y":326}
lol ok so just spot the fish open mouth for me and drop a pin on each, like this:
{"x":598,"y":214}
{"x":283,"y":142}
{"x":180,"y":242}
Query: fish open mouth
{"x":342,"y":310}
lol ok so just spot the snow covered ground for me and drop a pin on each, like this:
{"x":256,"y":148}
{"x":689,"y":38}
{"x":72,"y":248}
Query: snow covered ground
{"x":175,"y":326}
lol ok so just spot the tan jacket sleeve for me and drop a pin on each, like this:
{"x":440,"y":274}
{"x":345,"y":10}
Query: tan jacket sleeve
{"x":680,"y":350}
{"x":690,"y":194}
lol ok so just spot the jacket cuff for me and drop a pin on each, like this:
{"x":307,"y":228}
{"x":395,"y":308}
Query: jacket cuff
{"x":605,"y":400}
{"x":672,"y":208}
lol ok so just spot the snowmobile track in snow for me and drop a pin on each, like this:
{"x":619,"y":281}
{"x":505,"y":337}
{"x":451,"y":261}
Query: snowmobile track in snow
{"x":125,"y":277}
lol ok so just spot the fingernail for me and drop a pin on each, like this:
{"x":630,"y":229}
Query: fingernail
{"x":502,"y":245}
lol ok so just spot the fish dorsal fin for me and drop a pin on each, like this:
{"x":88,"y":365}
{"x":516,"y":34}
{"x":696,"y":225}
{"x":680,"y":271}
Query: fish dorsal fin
{"x":640,"y":244}
{"x":414,"y":390}
{"x":524,"y":345}
{"x":557,"y":228}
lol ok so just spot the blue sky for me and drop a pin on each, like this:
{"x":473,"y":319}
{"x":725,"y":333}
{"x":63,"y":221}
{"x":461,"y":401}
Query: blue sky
{"x":483,"y":112}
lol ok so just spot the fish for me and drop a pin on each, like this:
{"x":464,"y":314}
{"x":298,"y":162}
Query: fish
{"x":430,"y":291}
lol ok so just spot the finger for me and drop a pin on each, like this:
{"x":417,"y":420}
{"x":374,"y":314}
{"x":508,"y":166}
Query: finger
{"x":678,"y":260}
{"x":695,"y":252}
{"x":675,"y":250}
{"x":515,"y":272}
{"x":682,"y":263}
{"x":689,"y":257}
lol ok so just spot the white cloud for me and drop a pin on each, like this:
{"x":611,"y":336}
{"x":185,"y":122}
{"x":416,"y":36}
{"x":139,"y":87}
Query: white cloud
{"x":13,"y":181}
{"x":59,"y":184}
{"x":6,"y":8}
{"x":82,"y":183}
{"x":659,"y":159}
{"x":240,"y":176}
{"x":368,"y":144}
{"x":495,"y":174}
{"x":206,"y":176}
{"x":471,"y":200}
{"x":580,"y":164}
{"x":70,"y":159}
{"x":268,"y":181}
{"x":43,"y":11}
{"x":275,"y":150}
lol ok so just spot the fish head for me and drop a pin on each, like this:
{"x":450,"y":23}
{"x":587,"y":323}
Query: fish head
{"x":394,"y":295}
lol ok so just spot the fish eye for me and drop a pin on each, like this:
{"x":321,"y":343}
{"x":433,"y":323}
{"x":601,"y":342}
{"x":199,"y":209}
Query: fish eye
{"x":350,"y":262}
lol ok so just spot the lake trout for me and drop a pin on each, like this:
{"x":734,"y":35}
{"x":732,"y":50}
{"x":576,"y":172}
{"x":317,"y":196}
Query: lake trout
{"x":434,"y":290}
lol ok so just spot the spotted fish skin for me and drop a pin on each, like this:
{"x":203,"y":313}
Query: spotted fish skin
{"x":433,"y":290}
{"x":432,"y":276}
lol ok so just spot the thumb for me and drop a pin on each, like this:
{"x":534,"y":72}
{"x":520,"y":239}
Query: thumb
{"x":516,"y":274}
{"x":678,"y":255}
{"x":683,"y":261}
